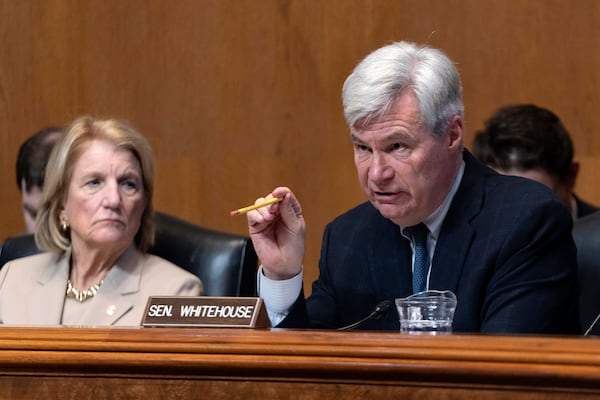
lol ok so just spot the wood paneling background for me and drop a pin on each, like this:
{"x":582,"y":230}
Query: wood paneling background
{"x":240,"y":96}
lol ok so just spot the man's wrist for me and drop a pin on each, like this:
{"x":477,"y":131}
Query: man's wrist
{"x":279,"y":276}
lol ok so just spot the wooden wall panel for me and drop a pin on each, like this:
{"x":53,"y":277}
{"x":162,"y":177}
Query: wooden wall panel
{"x":239,"y":96}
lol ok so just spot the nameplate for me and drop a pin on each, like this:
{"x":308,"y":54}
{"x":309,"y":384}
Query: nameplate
{"x":206,"y":311}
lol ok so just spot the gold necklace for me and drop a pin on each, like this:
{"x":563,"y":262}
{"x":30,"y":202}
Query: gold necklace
{"x":82,"y":295}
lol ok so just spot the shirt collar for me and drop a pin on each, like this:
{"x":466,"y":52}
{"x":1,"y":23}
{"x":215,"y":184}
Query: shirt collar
{"x":434,"y":220}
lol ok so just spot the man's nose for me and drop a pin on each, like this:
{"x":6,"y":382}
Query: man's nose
{"x":380,"y":167}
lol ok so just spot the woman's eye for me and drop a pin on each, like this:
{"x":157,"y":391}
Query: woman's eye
{"x":130,"y":186}
{"x":92,"y":182}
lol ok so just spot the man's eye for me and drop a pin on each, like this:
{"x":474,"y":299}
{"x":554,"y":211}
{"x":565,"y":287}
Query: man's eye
{"x":361,"y":148}
{"x":397,"y":146}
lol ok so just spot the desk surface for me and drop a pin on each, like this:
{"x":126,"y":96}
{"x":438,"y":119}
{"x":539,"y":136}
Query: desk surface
{"x":159,"y":363}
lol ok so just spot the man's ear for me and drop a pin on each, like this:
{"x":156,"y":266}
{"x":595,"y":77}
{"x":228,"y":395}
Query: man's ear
{"x":573,"y":172}
{"x":456,"y":132}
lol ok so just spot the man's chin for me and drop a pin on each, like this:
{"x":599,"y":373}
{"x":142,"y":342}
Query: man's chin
{"x":389,"y":211}
{"x":394,"y":213}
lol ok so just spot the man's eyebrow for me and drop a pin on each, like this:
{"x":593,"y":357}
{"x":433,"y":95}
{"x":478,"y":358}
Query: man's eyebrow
{"x":30,"y":209}
{"x":396,"y":135}
{"x":356,"y":139}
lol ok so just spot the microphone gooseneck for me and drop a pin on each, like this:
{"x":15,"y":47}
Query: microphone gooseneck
{"x":380,"y":309}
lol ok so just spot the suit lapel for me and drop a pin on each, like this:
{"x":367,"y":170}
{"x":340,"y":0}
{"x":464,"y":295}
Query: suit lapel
{"x":47,"y":297}
{"x":457,"y":233}
{"x":389,"y":259}
{"x":111,"y":302}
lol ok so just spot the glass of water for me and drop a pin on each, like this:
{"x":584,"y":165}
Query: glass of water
{"x":431,"y":311}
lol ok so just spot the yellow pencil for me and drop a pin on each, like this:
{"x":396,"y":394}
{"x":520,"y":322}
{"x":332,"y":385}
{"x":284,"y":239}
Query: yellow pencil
{"x":265,"y":203}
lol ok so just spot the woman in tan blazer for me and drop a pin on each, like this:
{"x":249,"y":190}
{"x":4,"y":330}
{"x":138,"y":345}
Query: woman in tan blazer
{"x":96,"y":220}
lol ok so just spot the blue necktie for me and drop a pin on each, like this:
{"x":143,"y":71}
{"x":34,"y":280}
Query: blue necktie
{"x":421,"y":264}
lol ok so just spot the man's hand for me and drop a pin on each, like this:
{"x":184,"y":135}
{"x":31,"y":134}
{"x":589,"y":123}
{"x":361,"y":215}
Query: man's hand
{"x":278,"y":232}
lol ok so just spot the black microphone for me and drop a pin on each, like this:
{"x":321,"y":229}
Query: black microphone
{"x":380,"y":309}
{"x":589,"y":330}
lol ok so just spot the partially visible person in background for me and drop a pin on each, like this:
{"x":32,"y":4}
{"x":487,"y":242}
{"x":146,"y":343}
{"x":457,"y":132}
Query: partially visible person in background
{"x":31,"y":166}
{"x":96,"y":220}
{"x":530,"y":141}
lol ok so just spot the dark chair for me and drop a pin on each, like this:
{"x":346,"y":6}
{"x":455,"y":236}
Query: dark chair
{"x":586,"y":233}
{"x":226,"y":263}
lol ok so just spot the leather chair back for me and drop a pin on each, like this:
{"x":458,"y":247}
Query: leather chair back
{"x":226,"y":263}
{"x":586,"y":233}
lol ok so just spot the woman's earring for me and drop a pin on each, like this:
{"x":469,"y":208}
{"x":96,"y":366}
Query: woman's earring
{"x":64,"y":225}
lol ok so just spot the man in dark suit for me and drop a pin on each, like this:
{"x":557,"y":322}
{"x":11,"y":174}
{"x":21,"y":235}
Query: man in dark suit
{"x":31,"y":167}
{"x":530,"y":141}
{"x":502,"y":244}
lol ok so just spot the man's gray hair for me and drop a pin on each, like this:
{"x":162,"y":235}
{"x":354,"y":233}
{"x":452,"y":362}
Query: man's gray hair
{"x":384,"y":74}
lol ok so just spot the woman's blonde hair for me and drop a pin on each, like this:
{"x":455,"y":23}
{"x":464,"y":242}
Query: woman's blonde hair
{"x":59,"y":172}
